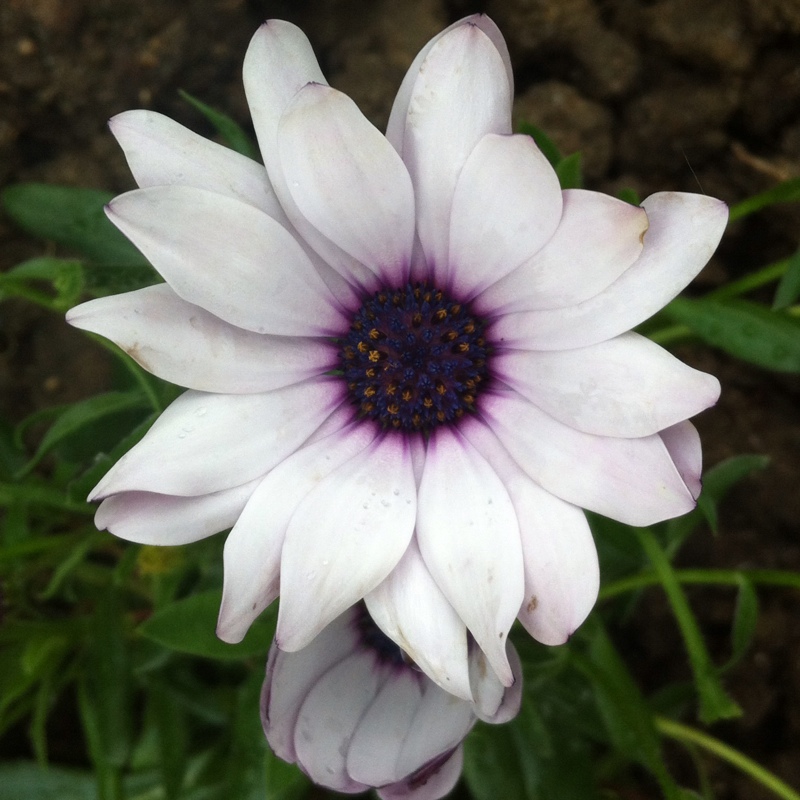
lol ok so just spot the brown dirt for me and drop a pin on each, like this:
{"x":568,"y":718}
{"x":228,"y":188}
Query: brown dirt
{"x":698,"y":95}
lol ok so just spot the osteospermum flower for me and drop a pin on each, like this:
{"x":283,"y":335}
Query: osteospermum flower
{"x":352,"y":712}
{"x":408,"y":357}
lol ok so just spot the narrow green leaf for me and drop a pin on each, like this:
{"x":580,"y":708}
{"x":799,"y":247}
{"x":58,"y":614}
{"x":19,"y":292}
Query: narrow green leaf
{"x":746,"y":330}
{"x":107,"y":680}
{"x":569,"y":171}
{"x":82,"y":415}
{"x":188,"y":626}
{"x":627,"y":716}
{"x":491,"y":766}
{"x":70,"y":216}
{"x":715,"y":704}
{"x":745,"y":620}
{"x":629,"y":195}
{"x":172,"y":733}
{"x":229,"y":130}
{"x":66,"y":277}
{"x":28,"y":781}
{"x":788,"y":290}
{"x":543,"y":142}
{"x":786,"y":192}
{"x":717,"y":482}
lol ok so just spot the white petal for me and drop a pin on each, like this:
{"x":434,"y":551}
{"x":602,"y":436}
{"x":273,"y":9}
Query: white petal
{"x":290,"y":677}
{"x":329,"y":717}
{"x":507,"y":204}
{"x":395,"y":131}
{"x":203,"y":443}
{"x":278,"y":63}
{"x":162,"y":152}
{"x":412,"y":611}
{"x":683,"y":234}
{"x":375,"y":748}
{"x":469,"y":538}
{"x":253,"y":549}
{"x":630,"y":480}
{"x":431,"y":782}
{"x":149,"y":518}
{"x":348,"y":181}
{"x":562,"y":575}
{"x":229,"y":258}
{"x":597,"y":239}
{"x":493,"y":702}
{"x":184,"y":344}
{"x":683,"y":443}
{"x":463,"y":78}
{"x":346,"y":536}
{"x":627,"y":386}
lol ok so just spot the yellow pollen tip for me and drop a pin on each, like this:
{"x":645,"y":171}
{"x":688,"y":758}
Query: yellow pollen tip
{"x":374,"y":356}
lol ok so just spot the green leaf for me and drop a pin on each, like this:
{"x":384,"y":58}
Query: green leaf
{"x":82,"y":415}
{"x":69,"y":216}
{"x":786,"y":192}
{"x":788,"y":289}
{"x":107,"y":682}
{"x":715,"y":703}
{"x":491,"y":764}
{"x":569,"y":172}
{"x":189,"y":625}
{"x":627,"y":716}
{"x":172,"y":733}
{"x":229,"y":130}
{"x":630,"y":196}
{"x":28,"y":781}
{"x":745,"y":620}
{"x":66,"y":277}
{"x":543,"y":142}
{"x":717,"y":482}
{"x":746,"y":330}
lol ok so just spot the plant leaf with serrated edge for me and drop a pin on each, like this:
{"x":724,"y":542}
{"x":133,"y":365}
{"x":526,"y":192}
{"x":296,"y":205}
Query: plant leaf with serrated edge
{"x":230,"y":131}
{"x":746,"y":330}
{"x":70,"y":216}
{"x":189,"y":625}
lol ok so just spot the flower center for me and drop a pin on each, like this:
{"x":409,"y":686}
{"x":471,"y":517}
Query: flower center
{"x":414,"y":358}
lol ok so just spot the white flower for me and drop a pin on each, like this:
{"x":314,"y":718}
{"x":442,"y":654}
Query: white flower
{"x":408,"y":357}
{"x":354,"y":714}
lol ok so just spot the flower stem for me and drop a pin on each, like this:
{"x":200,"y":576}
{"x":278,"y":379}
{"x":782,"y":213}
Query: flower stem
{"x":687,"y":735}
{"x":725,"y":577}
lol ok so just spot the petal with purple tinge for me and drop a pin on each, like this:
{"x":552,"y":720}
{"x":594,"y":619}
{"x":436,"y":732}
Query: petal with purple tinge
{"x":684,"y":231}
{"x":597,"y":239}
{"x":290,"y":677}
{"x":185,"y":344}
{"x":329,"y":717}
{"x":463,"y":77}
{"x":627,"y":386}
{"x":506,"y":206}
{"x":683,"y":443}
{"x":348,"y":181}
{"x":203,"y":443}
{"x":229,"y":258}
{"x":160,"y":519}
{"x":253,"y":549}
{"x":411,"y":610}
{"x":375,"y":747}
{"x":630,"y":480}
{"x":431,"y":782}
{"x":345,"y":537}
{"x":469,"y":538}
{"x":162,"y":152}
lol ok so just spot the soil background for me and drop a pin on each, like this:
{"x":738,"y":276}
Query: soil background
{"x":695,"y":95}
